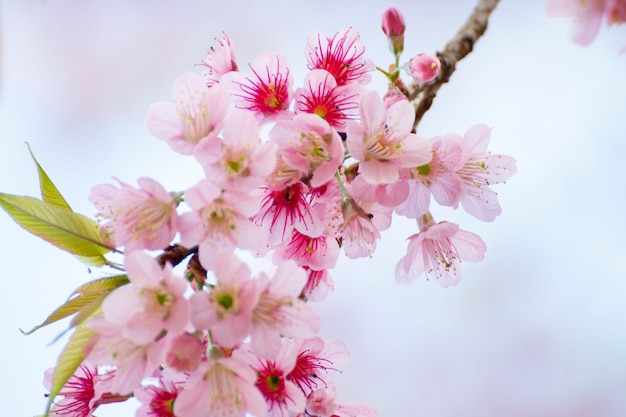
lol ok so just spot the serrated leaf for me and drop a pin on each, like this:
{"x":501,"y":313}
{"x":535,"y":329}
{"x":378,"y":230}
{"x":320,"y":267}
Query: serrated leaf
{"x":70,"y":359}
{"x":49,"y":192}
{"x":61,"y":227}
{"x":89,"y":298}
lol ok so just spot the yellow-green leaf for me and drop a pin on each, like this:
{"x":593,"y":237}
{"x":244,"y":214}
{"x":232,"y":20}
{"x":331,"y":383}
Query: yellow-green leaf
{"x":102,"y":284}
{"x":89,"y":298}
{"x":49,"y":192}
{"x":70,"y":359}
{"x":61,"y":227}
{"x":67,"y":309}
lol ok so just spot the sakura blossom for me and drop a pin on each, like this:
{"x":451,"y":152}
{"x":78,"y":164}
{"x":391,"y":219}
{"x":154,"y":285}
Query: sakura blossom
{"x":382,"y":142}
{"x":438,"y":178}
{"x":315,"y":358}
{"x":227,"y":308}
{"x":288,"y":209}
{"x":437,"y":250}
{"x":238,"y":160}
{"x":133,"y":362}
{"x":342,"y":55}
{"x":220,"y":220}
{"x":358,"y":233}
{"x":480,"y":170}
{"x":153,"y":302}
{"x":223,"y":386}
{"x":219,"y":61}
{"x":182,"y":352}
{"x":195,"y":114}
{"x":157,"y":400}
{"x":279,"y":311}
{"x":268,"y":92}
{"x":82,"y":393}
{"x":310,"y":146}
{"x":143,"y":218}
{"x":318,"y":253}
{"x":323,"y":97}
{"x":281,"y":394}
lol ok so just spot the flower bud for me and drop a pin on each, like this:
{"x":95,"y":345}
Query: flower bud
{"x":183,"y":352}
{"x":393,"y":27}
{"x":424,"y":67}
{"x":393,"y":96}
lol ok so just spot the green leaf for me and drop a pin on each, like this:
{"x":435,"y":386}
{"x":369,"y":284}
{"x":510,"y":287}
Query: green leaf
{"x":49,"y":192}
{"x":70,"y":359}
{"x":89,"y":298}
{"x":102,"y":284}
{"x":61,"y":227}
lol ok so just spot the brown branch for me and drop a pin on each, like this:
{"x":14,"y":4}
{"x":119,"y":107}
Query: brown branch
{"x":456,"y":49}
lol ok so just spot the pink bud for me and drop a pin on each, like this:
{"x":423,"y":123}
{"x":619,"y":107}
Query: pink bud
{"x":393,"y":96}
{"x":393,"y":26}
{"x":393,"y":22}
{"x":183,"y":352}
{"x":424,"y":67}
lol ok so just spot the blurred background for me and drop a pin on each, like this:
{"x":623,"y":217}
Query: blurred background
{"x":536,"y":329}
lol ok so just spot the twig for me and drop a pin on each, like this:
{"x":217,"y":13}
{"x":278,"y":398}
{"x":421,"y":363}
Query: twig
{"x":456,"y":49}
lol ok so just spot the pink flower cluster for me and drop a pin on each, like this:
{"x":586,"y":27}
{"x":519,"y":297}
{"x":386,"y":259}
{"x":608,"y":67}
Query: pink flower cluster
{"x":588,"y":16}
{"x":296,"y":175}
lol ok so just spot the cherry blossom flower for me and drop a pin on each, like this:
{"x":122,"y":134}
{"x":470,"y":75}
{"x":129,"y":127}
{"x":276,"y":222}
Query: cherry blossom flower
{"x":151,"y":303}
{"x":315,"y":358}
{"x":133,"y":362}
{"x":288,"y":209}
{"x":357,"y":230}
{"x":320,"y":252}
{"x":143,"y":218}
{"x":157,"y":400}
{"x":226,"y":309}
{"x":480,"y":170}
{"x":219,"y":61}
{"x":81,"y":394}
{"x":424,"y":67}
{"x":322,"y":402}
{"x":438,"y":250}
{"x":268,"y":92}
{"x":361,"y":224}
{"x":437,"y":178}
{"x":239,"y":161}
{"x":221,"y":387}
{"x":195,"y":114}
{"x":220,"y":220}
{"x":388,"y":195}
{"x":281,"y":394}
{"x":317,"y":285}
{"x":182,"y":352}
{"x":382,"y":142}
{"x":342,"y":56}
{"x":323,"y":97}
{"x":309,"y":145}
{"x":279,"y":312}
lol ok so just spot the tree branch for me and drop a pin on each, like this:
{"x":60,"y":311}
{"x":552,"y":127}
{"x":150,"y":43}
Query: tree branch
{"x":456,"y":49}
